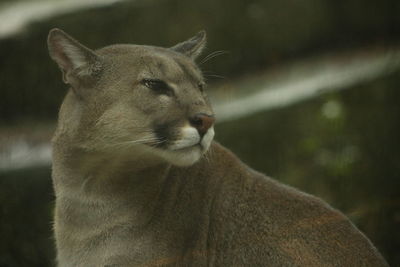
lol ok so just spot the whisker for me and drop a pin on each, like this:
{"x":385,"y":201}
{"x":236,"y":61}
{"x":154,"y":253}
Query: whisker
{"x":157,"y":143}
{"x":207,"y":158}
{"x":210,"y":152}
{"x":134,"y":142}
{"x":214,"y":76}
{"x":213,"y":55}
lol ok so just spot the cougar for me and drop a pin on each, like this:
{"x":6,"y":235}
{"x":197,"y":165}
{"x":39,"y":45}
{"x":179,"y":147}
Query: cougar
{"x":139,"y":180}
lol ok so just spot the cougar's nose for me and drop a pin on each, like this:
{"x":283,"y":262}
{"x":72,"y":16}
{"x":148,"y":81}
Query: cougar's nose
{"x":202,"y":122}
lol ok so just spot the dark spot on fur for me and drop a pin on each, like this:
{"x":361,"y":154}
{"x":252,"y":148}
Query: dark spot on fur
{"x":162,"y":134}
{"x":165,"y":132}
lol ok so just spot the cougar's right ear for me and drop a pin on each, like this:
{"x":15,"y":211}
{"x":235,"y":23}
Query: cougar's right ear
{"x":192,"y":47}
{"x":79,"y":64}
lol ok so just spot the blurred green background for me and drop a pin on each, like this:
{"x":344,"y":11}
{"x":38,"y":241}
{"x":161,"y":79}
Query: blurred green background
{"x":341,"y":145}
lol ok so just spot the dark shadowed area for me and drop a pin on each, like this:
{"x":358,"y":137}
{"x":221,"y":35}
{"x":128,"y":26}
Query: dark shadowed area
{"x":307,"y":92}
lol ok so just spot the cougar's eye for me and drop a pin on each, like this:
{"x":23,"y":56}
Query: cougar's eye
{"x":158,"y":86}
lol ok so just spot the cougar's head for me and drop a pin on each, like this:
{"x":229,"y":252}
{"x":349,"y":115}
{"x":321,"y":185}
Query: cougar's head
{"x":133,"y":98}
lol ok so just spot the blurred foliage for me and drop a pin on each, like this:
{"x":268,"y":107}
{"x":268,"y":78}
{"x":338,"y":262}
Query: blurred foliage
{"x":343,"y":147}
{"x":255,"y":33}
{"x":26,"y":207}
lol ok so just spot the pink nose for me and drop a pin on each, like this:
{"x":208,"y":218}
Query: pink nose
{"x":202,"y":122}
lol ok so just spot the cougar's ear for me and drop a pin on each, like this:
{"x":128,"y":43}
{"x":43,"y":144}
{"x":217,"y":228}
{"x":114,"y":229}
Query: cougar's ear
{"x":192,"y":47}
{"x":78,"y":63}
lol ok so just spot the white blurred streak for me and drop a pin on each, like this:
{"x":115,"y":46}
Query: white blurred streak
{"x":275,"y":89}
{"x":15,"y":16}
{"x":20,"y":154}
{"x":307,"y":80}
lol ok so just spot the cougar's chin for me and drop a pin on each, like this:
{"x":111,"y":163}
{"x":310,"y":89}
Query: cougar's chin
{"x":189,"y":148}
{"x":182,"y":157}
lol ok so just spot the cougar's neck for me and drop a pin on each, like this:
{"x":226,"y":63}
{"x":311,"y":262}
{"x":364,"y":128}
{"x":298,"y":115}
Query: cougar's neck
{"x":107,"y":179}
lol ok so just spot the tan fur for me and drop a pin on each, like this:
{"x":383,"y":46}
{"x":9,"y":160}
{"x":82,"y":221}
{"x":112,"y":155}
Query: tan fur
{"x":137,"y":186}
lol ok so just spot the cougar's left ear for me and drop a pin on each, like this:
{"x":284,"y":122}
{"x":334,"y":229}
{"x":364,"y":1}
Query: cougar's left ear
{"x":78,"y":63}
{"x":192,"y":47}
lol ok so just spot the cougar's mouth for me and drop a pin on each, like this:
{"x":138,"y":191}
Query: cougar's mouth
{"x":183,"y":146}
{"x":185,"y":138}
{"x":190,"y":138}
